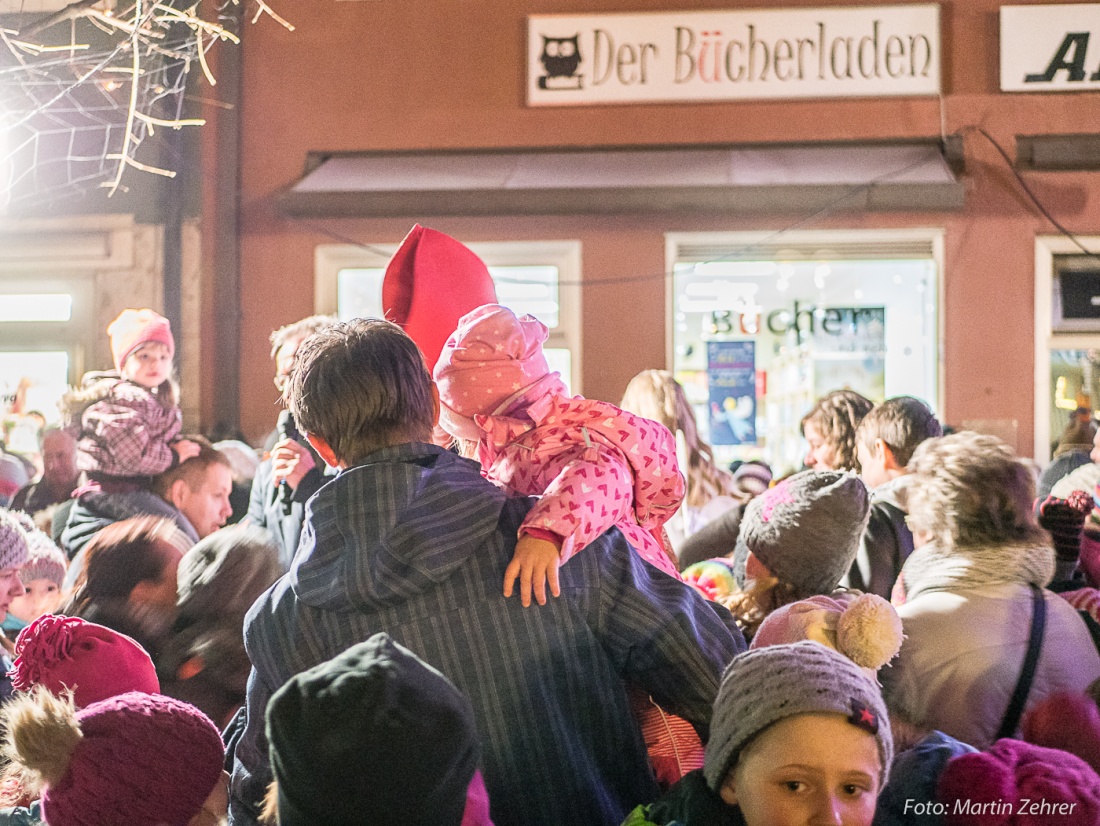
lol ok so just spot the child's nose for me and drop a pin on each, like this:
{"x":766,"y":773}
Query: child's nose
{"x":829,"y":810}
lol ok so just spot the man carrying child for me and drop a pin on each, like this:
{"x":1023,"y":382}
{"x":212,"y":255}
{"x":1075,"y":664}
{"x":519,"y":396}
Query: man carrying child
{"x":411,"y":540}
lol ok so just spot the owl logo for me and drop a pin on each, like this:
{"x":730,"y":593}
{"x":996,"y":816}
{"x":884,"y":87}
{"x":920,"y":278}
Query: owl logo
{"x":561,"y":57}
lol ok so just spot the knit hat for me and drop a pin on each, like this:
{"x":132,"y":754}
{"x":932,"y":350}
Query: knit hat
{"x":1065,"y":720}
{"x":491,"y":358}
{"x":1010,"y":783}
{"x":752,"y":477}
{"x":92,"y":661}
{"x":766,"y":685}
{"x":1063,"y":519}
{"x":45,"y":560}
{"x":865,"y":628}
{"x":134,"y":328}
{"x":372,"y":732}
{"x":139,"y":759}
{"x":13,"y":477}
{"x":431,"y":281}
{"x":14,"y":548}
{"x":806,"y":530}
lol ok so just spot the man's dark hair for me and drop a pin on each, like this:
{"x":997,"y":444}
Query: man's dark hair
{"x":119,"y":557}
{"x":902,"y":423}
{"x":361,"y":385}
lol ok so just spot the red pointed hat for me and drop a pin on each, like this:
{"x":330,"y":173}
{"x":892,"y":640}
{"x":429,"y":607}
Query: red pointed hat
{"x":430,"y":283}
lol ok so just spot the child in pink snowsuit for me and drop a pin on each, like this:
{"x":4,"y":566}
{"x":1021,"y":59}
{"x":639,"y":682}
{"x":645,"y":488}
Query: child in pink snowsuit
{"x":593,"y":464}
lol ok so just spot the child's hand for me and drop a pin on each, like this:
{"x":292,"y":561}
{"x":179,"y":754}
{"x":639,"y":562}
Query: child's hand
{"x":185,"y":450}
{"x":535,"y":562}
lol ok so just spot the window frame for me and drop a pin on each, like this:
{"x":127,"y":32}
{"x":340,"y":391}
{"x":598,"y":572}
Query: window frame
{"x":330,"y":259}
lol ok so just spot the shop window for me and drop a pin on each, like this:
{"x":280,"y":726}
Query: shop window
{"x":762,"y":329}
{"x":536,"y":278}
{"x":35,"y":307}
{"x":1067,"y":341}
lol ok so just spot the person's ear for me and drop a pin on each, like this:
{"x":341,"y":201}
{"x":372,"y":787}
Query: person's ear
{"x":324,"y":450}
{"x":175,"y":492}
{"x":882,"y":449}
{"x":728,"y":792}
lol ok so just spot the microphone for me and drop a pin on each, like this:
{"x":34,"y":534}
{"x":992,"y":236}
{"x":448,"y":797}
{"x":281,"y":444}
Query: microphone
{"x":286,"y":428}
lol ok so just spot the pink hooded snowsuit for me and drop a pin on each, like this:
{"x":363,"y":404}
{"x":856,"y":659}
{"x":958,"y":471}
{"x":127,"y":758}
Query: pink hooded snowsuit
{"x":593,"y":464}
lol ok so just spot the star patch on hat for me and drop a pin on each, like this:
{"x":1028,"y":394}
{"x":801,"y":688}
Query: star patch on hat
{"x":863,"y":717}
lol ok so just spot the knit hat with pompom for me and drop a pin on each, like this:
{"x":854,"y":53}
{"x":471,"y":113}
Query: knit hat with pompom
{"x":865,"y":628}
{"x":138,"y":759}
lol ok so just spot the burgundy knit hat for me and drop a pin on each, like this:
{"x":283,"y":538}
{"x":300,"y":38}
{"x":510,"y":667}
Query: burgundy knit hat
{"x":143,"y":760}
{"x":430,"y":283}
{"x":92,"y":661}
{"x":134,"y":328}
{"x":989,"y":788}
{"x":1065,"y":720}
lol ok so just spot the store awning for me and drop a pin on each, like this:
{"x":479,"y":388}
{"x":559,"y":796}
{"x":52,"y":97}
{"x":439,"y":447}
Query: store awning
{"x":729,"y":179}
{"x":1058,"y":152}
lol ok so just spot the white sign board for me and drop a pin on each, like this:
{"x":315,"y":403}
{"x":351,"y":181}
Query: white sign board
{"x":864,"y":51}
{"x":1050,"y":48}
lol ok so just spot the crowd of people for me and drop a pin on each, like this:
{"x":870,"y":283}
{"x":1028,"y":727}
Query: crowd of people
{"x":452,"y":593}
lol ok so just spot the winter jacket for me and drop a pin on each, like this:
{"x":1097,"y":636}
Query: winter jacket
{"x":120,"y":427}
{"x":886,"y":543}
{"x":414,"y":542}
{"x":967,"y":617}
{"x":689,"y":803}
{"x":95,"y":510}
{"x":23,"y":816}
{"x":266,"y":508}
{"x":594,"y":466}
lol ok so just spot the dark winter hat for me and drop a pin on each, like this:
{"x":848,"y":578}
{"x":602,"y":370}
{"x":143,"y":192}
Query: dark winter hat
{"x":806,"y":530}
{"x":430,"y":283}
{"x":766,"y":685}
{"x":372,"y":732}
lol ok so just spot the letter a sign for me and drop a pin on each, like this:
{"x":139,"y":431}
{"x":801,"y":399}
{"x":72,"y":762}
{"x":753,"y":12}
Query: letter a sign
{"x":1050,"y":48}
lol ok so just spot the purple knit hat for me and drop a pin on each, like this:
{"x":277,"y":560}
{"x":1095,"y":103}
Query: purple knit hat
{"x":142,"y":759}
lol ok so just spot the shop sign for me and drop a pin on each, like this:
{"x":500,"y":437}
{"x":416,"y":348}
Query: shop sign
{"x":1050,"y":48}
{"x":862,"y":51}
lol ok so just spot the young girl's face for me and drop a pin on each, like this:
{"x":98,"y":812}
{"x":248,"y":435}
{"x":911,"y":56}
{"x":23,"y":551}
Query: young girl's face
{"x":821,"y":455}
{"x":149,"y":365}
{"x":42,"y":597}
{"x":809,"y":770}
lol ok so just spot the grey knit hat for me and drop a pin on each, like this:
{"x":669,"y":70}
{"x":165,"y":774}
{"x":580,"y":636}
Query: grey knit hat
{"x":13,"y":541}
{"x":45,"y":560}
{"x":806,"y":530}
{"x":766,"y":685}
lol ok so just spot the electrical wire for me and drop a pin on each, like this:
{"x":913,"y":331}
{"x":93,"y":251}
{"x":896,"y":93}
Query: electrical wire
{"x":1030,"y":194}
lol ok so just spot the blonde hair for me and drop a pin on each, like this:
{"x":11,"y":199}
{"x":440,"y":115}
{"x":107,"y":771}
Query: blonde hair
{"x":969,"y":489}
{"x":656,"y":395}
{"x":751,"y":606}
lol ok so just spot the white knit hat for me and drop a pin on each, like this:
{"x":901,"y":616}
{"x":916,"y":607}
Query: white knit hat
{"x":13,"y":542}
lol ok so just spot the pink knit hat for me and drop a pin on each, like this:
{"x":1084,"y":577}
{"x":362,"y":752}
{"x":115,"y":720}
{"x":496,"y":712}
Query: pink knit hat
{"x":491,"y":358}
{"x":94,"y":662}
{"x":865,"y":628}
{"x":143,"y":760}
{"x":990,"y":788}
{"x":134,"y":328}
{"x":430,"y":282}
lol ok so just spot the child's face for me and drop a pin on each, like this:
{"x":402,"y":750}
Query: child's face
{"x":42,"y":597}
{"x":872,"y":464}
{"x":148,"y":366}
{"x":807,"y":770}
{"x":11,"y":587}
{"x":820,"y":455}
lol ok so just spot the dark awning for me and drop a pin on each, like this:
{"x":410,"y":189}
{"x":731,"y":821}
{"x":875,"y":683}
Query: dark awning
{"x":728,"y":179}
{"x":1058,"y":152}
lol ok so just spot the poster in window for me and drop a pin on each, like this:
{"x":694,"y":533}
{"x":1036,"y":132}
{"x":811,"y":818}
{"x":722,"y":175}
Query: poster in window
{"x":731,"y":383}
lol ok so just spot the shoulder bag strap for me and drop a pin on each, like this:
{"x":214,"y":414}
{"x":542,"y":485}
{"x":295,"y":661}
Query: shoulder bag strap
{"x":1015,"y":708}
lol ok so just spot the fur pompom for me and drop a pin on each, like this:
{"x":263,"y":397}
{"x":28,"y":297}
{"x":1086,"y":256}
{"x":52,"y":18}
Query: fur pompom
{"x":869,"y":632}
